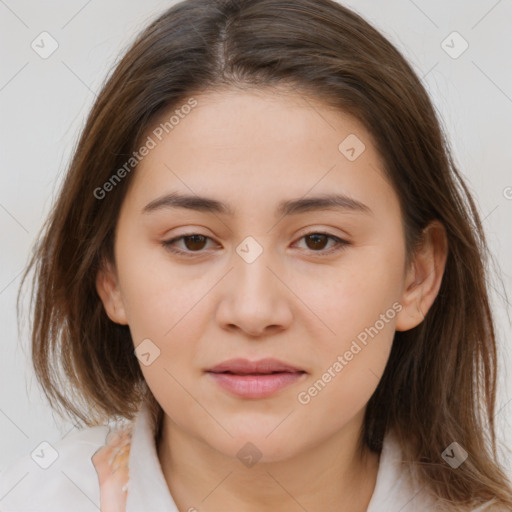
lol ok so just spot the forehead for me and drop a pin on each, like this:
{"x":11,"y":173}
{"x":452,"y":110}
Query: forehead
{"x":271,"y":142}
{"x":245,"y":120}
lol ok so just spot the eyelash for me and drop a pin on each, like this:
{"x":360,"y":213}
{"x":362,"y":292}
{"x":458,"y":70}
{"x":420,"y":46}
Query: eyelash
{"x":340,"y":244}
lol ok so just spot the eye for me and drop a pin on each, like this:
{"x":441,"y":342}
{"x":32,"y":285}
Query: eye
{"x":316,"y":241}
{"x":195,"y":242}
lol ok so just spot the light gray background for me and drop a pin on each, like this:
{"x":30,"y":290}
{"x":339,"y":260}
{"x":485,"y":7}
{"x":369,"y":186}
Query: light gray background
{"x":44,"y":103}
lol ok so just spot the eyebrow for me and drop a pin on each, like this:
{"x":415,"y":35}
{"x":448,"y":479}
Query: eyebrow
{"x":285,"y":208}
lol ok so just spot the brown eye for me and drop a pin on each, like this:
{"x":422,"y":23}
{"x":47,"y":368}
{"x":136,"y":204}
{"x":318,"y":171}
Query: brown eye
{"x":318,"y":241}
{"x":194,"y":242}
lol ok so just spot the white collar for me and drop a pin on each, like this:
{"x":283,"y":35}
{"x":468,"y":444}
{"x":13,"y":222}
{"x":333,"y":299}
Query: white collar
{"x":148,"y":490}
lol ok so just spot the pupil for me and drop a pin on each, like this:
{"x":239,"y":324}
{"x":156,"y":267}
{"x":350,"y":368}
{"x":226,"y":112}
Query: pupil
{"x":316,"y":240}
{"x":195,"y":239}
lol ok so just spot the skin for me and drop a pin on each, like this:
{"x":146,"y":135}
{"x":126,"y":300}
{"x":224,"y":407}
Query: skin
{"x":253,"y":149}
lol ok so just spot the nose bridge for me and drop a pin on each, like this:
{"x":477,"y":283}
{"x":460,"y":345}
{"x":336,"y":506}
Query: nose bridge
{"x":256,"y":298}
{"x":252,"y":274}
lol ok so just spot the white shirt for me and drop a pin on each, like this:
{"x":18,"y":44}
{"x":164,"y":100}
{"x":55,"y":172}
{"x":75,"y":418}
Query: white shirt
{"x":70,"y":483}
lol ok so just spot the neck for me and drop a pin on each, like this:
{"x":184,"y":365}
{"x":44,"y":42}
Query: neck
{"x":334,"y":475}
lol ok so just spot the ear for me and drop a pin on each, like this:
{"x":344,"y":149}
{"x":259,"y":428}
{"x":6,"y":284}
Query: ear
{"x":423,"y":277}
{"x":107,"y":286}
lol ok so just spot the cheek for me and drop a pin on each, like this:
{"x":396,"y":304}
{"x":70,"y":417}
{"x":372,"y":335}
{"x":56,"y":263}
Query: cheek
{"x":349,"y":364}
{"x":353,"y":295}
{"x":359,"y":304}
{"x":156,"y":293}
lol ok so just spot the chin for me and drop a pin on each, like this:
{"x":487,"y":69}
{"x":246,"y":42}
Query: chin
{"x":254,"y":445}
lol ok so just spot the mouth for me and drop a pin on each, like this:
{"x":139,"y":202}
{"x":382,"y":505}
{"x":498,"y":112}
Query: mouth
{"x":255,"y":379}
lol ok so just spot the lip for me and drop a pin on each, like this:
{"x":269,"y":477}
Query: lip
{"x":255,"y":379}
{"x":263,"y":366}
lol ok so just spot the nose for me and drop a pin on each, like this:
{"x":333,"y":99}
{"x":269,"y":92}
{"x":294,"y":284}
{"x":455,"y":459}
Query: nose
{"x":255,"y":299}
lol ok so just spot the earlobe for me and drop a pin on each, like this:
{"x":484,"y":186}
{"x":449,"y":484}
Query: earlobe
{"x":108,"y":289}
{"x":424,"y":277}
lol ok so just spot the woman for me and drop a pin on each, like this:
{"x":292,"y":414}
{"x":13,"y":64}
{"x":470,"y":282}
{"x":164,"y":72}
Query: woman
{"x":184,"y":281}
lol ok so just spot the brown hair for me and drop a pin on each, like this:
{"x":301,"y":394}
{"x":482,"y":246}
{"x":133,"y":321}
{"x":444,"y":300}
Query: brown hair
{"x":440,"y":382}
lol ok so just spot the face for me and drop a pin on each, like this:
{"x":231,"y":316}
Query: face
{"x":320,"y":288}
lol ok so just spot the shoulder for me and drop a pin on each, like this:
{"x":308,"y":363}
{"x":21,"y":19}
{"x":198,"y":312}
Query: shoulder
{"x":399,"y":488}
{"x":55,"y":477}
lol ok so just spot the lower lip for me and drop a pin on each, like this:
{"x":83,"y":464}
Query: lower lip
{"x":255,"y":386}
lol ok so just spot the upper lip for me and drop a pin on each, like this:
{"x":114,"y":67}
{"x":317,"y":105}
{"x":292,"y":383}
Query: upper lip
{"x":263,"y":366}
